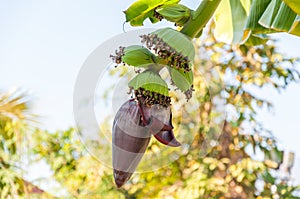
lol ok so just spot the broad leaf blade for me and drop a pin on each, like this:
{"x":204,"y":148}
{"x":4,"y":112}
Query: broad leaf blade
{"x":295,"y":29}
{"x":284,"y":19}
{"x":258,"y":7}
{"x":294,"y":5}
{"x":270,"y":13}
{"x":230,"y":19}
{"x":246,"y":4}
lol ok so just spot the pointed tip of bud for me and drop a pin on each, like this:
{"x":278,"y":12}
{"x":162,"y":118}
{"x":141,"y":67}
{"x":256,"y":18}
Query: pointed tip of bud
{"x":119,"y":184}
{"x":121,"y":177}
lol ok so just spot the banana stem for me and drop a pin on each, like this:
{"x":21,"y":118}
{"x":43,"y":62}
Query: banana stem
{"x":200,"y":18}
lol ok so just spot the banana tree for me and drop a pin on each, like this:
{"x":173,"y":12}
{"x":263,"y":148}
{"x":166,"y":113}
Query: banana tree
{"x":239,"y":22}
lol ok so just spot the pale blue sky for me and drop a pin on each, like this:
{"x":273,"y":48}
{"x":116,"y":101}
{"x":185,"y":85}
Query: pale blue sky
{"x":44,"y":43}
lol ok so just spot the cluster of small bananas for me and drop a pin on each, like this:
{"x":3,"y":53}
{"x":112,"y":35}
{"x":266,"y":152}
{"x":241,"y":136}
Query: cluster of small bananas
{"x":151,"y":98}
{"x":163,"y":50}
{"x":117,"y":58}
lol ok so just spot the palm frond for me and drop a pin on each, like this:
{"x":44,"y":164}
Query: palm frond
{"x":14,"y":105}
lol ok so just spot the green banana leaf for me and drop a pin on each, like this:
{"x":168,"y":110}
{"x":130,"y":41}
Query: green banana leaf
{"x":270,"y":13}
{"x":236,"y":21}
{"x":284,"y":19}
{"x":257,"y":9}
{"x":294,"y":5}
{"x":230,"y":18}
{"x":248,"y":22}
{"x":295,"y":29}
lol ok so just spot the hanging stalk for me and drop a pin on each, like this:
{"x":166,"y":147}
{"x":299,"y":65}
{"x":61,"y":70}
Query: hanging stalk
{"x":200,"y":18}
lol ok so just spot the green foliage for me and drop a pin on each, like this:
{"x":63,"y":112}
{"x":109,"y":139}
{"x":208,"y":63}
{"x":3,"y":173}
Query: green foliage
{"x":15,"y":129}
{"x":236,"y":21}
{"x":229,"y":27}
{"x":294,"y":5}
{"x":80,"y":174}
{"x":192,"y":21}
{"x":260,"y":17}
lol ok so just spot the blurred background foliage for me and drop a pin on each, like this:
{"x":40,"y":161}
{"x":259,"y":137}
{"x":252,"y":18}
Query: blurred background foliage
{"x":16,"y":128}
{"x":233,"y":157}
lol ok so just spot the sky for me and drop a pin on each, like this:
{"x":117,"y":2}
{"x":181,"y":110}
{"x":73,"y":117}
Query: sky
{"x":43,"y":45}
